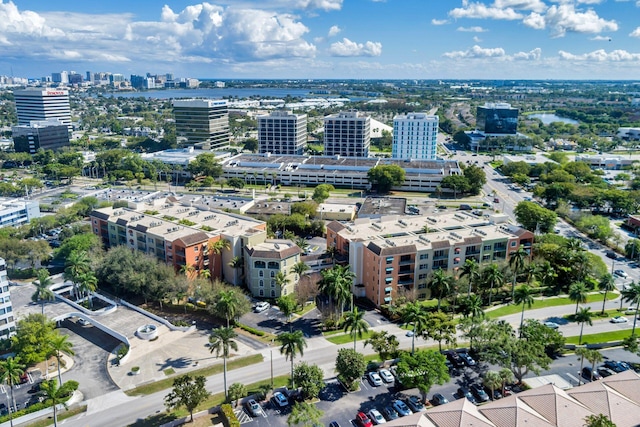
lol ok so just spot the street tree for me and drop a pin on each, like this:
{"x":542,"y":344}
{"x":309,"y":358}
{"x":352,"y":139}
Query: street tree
{"x":534,"y":217}
{"x":228,"y":305}
{"x":631,"y":294}
{"x":471,"y":306}
{"x":322,"y":192}
{"x":523,"y":295}
{"x":43,"y":293}
{"x":440,"y":327}
{"x":57,"y":345}
{"x":10,"y":372}
{"x":350,"y":366}
{"x":578,"y":292}
{"x":309,"y":378}
{"x":304,"y":414}
{"x":414,"y":314}
{"x":506,"y":377}
{"x":583,"y":316}
{"x":581,"y":351}
{"x":440,"y":284}
{"x":423,"y":370}
{"x":236,"y":392}
{"x":492,"y":380}
{"x":221,"y":341}
{"x":607,"y":284}
{"x":383,"y":177}
{"x":517,"y":262}
{"x":55,"y":394}
{"x":594,"y":357}
{"x":187,"y":391}
{"x":354,"y":324}
{"x":292,"y":344}
{"x":287,"y":305}
{"x":552,"y":339}
{"x":383,"y":343}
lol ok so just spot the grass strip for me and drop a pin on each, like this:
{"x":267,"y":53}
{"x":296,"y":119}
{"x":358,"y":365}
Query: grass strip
{"x":600,"y":338}
{"x":345,"y":338}
{"x":207,"y":371}
{"x":62,"y":415}
{"x":547,"y":302}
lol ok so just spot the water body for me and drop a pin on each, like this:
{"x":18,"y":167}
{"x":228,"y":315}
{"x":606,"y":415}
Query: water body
{"x":547,"y":118}
{"x":220,"y":93}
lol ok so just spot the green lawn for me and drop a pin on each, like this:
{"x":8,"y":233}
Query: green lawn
{"x":547,"y":302}
{"x":345,"y":338}
{"x":62,"y":415}
{"x":601,"y":337}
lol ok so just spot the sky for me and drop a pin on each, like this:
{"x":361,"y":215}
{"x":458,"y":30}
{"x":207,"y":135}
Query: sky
{"x":325,"y":39}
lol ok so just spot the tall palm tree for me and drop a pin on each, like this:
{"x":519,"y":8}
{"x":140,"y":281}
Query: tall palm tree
{"x":51,"y":391}
{"x":583,"y":316}
{"x":494,"y":277}
{"x":607,"y":284}
{"x":546,"y":273}
{"x":632,"y":294}
{"x":506,"y":375}
{"x":492,"y":380}
{"x":578,"y":292}
{"x":187,"y":270}
{"x":593,"y":356}
{"x":205,"y":273}
{"x":336,"y":283}
{"x":57,"y":345}
{"x":581,"y":352}
{"x":470,"y":270}
{"x":78,"y":263}
{"x":87,"y":283}
{"x":237,"y":263}
{"x":524,"y":296}
{"x":282,"y":281}
{"x":355,"y":324}
{"x":221,"y":342}
{"x":43,"y":293}
{"x":413,"y":313}
{"x":472,"y":306}
{"x":517,"y":262}
{"x":302,"y":243}
{"x":292,"y":344}
{"x":10,"y":372}
{"x":299,"y":268}
{"x":440,"y":284}
{"x":227,"y":305}
{"x":215,"y":249}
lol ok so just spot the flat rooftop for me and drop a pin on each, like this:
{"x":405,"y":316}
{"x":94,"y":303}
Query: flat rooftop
{"x":378,"y":206}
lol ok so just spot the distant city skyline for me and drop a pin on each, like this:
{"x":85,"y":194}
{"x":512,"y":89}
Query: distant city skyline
{"x":316,"y":39}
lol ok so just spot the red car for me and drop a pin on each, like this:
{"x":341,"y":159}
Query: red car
{"x":363,"y":421}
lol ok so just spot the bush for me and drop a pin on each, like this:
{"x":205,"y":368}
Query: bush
{"x":251,"y":330}
{"x":228,"y":417}
{"x":69,"y":387}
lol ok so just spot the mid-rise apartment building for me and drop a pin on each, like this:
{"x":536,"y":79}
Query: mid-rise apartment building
{"x":202,"y":122}
{"x":347,"y":133}
{"x":415,"y":136}
{"x":396,"y":254}
{"x":264,"y":261}
{"x":282,"y":132}
{"x":16,"y":212}
{"x":180,"y":234}
{"x":49,"y":134}
{"x":42,"y":104}
{"x":7,"y":320}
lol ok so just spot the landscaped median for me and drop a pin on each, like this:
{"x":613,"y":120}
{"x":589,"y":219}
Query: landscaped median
{"x":547,"y":302}
{"x":601,"y":338}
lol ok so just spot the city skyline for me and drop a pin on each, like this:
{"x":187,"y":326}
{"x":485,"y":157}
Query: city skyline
{"x":341,"y":39}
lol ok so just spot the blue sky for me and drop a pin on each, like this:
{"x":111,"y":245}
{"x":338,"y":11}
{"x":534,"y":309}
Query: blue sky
{"x":386,"y":39}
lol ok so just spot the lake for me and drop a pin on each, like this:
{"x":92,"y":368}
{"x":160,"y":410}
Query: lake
{"x":547,"y":118}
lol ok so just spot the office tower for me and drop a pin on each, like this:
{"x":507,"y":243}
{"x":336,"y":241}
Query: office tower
{"x":282,"y":132}
{"x":88,"y":76}
{"x":347,"y":134}
{"x":42,"y":104}
{"x":49,"y":134}
{"x":415,"y":136}
{"x":204,"y":122}
{"x":61,"y":77}
{"x":7,"y":320}
{"x":497,"y":119}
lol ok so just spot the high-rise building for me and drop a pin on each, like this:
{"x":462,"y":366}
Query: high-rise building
{"x":497,"y":119}
{"x":49,"y":134}
{"x":282,"y":132}
{"x":42,"y":104}
{"x":347,"y":134}
{"x":415,"y":136}
{"x":7,"y":320}
{"x":61,"y":77}
{"x":202,"y":122}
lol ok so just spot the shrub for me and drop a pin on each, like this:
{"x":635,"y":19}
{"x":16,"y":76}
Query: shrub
{"x":229,"y":416}
{"x":251,"y":330}
{"x":69,"y":387}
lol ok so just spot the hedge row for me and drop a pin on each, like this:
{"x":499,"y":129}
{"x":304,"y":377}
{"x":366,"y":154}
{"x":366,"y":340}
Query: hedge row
{"x":229,"y":417}
{"x":251,"y":330}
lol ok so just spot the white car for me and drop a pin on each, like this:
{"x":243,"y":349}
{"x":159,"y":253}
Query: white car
{"x":375,"y":379}
{"x":631,"y":310}
{"x":619,"y":319}
{"x":552,"y":325}
{"x":621,"y":273}
{"x":376,"y":417}
{"x":386,"y":376}
{"x":262,"y":306}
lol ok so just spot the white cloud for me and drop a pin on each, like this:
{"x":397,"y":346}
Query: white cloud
{"x":435,"y":21}
{"x":472,"y":29}
{"x":601,"y":38}
{"x":482,"y":11}
{"x":477,"y":39}
{"x":532,"y":55}
{"x":601,"y":55}
{"x":349,"y":48}
{"x":535,"y":21}
{"x":532,"y":5}
{"x":635,"y":33}
{"x":326,"y":5}
{"x":476,"y":52}
{"x":563,"y":18}
{"x":334,"y":30}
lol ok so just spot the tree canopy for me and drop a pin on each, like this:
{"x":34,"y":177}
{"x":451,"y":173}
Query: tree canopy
{"x":383,"y":177}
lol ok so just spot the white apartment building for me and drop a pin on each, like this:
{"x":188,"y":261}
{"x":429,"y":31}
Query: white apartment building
{"x":415,"y":136}
{"x":42,"y":104}
{"x":347,"y":133}
{"x":7,"y":320}
{"x":282,"y":132}
{"x":263,"y":262}
{"x":15,"y":212}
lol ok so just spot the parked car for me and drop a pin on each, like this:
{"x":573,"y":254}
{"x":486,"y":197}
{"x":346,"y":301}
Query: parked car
{"x":454,"y":358}
{"x":401,"y":408}
{"x":631,"y":309}
{"x":439,"y":399}
{"x":464,"y":392}
{"x":375,"y":379}
{"x":362,"y":420}
{"x":605,"y":372}
{"x":479,"y":393}
{"x":552,"y":325}
{"x":409,"y":333}
{"x":497,"y":394}
{"x":334,"y":424}
{"x":376,"y":417}
{"x":621,"y":273}
{"x":253,"y":408}
{"x":619,"y":319}
{"x":611,"y":254}
{"x":616,"y":366}
{"x":467,"y":359}
{"x":386,"y":375}
{"x":279,"y":400}
{"x":589,"y":375}
{"x":415,"y":404}
{"x":261,"y":306}
{"x":389,"y":413}
{"x":24,"y":378}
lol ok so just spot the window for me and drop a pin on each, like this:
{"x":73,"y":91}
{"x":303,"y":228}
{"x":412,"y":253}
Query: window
{"x":259,"y":264}
{"x":273,"y":293}
{"x":261,"y":283}
{"x":273,"y":283}
{"x":424,"y":256}
{"x":261,"y":273}
{"x":422,"y":286}
{"x":197,"y":258}
{"x":486,"y":247}
{"x":196,"y":248}
{"x":273,"y":274}
{"x":261,"y":292}
{"x":513,"y":244}
{"x":389,"y":260}
{"x":423,"y":266}
{"x":422,"y":276}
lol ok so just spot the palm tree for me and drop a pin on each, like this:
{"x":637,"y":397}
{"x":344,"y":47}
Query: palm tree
{"x":414,"y":313}
{"x":593,"y":356}
{"x":355,"y":324}
{"x":440,"y":284}
{"x":187,"y":270}
{"x":506,"y":376}
{"x":55,"y":394}
{"x":299,"y":268}
{"x":205,"y":273}
{"x":472,"y":306}
{"x":582,"y":317}
{"x":10,"y":372}
{"x":581,"y":352}
{"x":607,"y":284}
{"x":215,"y":249}
{"x":78,"y":263}
{"x":237,"y":263}
{"x":578,"y":293}
{"x":282,"y":281}
{"x":336,"y":283}
{"x":470,"y":269}
{"x":227,"y":305}
{"x":574,"y":245}
{"x":332,"y":251}
{"x":221,"y":342}
{"x":302,"y":243}
{"x":57,"y":345}
{"x":492,"y":380}
{"x":524,"y":296}
{"x":545,"y":273}
{"x":632,"y":294}
{"x":494,"y":277}
{"x":292,"y":344}
{"x":87,"y":283}
{"x":43,"y":293}
{"x":517,"y":261}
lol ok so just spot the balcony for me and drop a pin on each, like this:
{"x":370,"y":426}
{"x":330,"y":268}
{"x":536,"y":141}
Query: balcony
{"x":441,"y":257}
{"x":472,"y":251}
{"x":405,"y":269}
{"x":180,"y":253}
{"x":404,"y":281}
{"x":407,"y":261}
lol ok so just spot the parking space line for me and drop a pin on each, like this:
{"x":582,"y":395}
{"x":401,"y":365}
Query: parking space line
{"x":573,"y":378}
{"x":242,"y":416}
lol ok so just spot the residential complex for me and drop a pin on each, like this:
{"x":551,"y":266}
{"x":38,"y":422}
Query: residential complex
{"x":415,"y":136}
{"x":42,"y":104}
{"x":347,"y":134}
{"x":49,"y":134}
{"x":263,"y":262}
{"x":7,"y":320}
{"x":396,"y":254}
{"x":15,"y":212}
{"x":180,"y":232}
{"x":497,"y":119}
{"x":202,"y":122}
{"x":282,"y":132}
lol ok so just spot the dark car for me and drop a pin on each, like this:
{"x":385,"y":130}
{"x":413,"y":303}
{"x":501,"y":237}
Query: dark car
{"x":616,"y":366}
{"x":439,"y":399}
{"x":464,"y":392}
{"x":334,"y":424}
{"x":479,"y":393}
{"x":34,"y":388}
{"x":611,"y":254}
{"x":589,"y":375}
{"x":454,"y":358}
{"x":415,"y":404}
{"x":497,"y":394}
{"x":468,"y":360}
{"x":389,"y":413}
{"x":605,"y":372}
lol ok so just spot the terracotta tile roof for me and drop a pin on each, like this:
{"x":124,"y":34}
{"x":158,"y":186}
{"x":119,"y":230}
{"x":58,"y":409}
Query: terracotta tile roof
{"x":440,"y":245}
{"x":192,"y":239}
{"x":626,"y":383}
{"x":602,"y":399}
{"x":556,"y":406}
{"x":511,"y":411}
{"x":458,"y":413}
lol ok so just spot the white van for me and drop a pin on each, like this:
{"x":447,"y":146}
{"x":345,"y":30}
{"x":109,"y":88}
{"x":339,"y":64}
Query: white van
{"x":262,"y":306}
